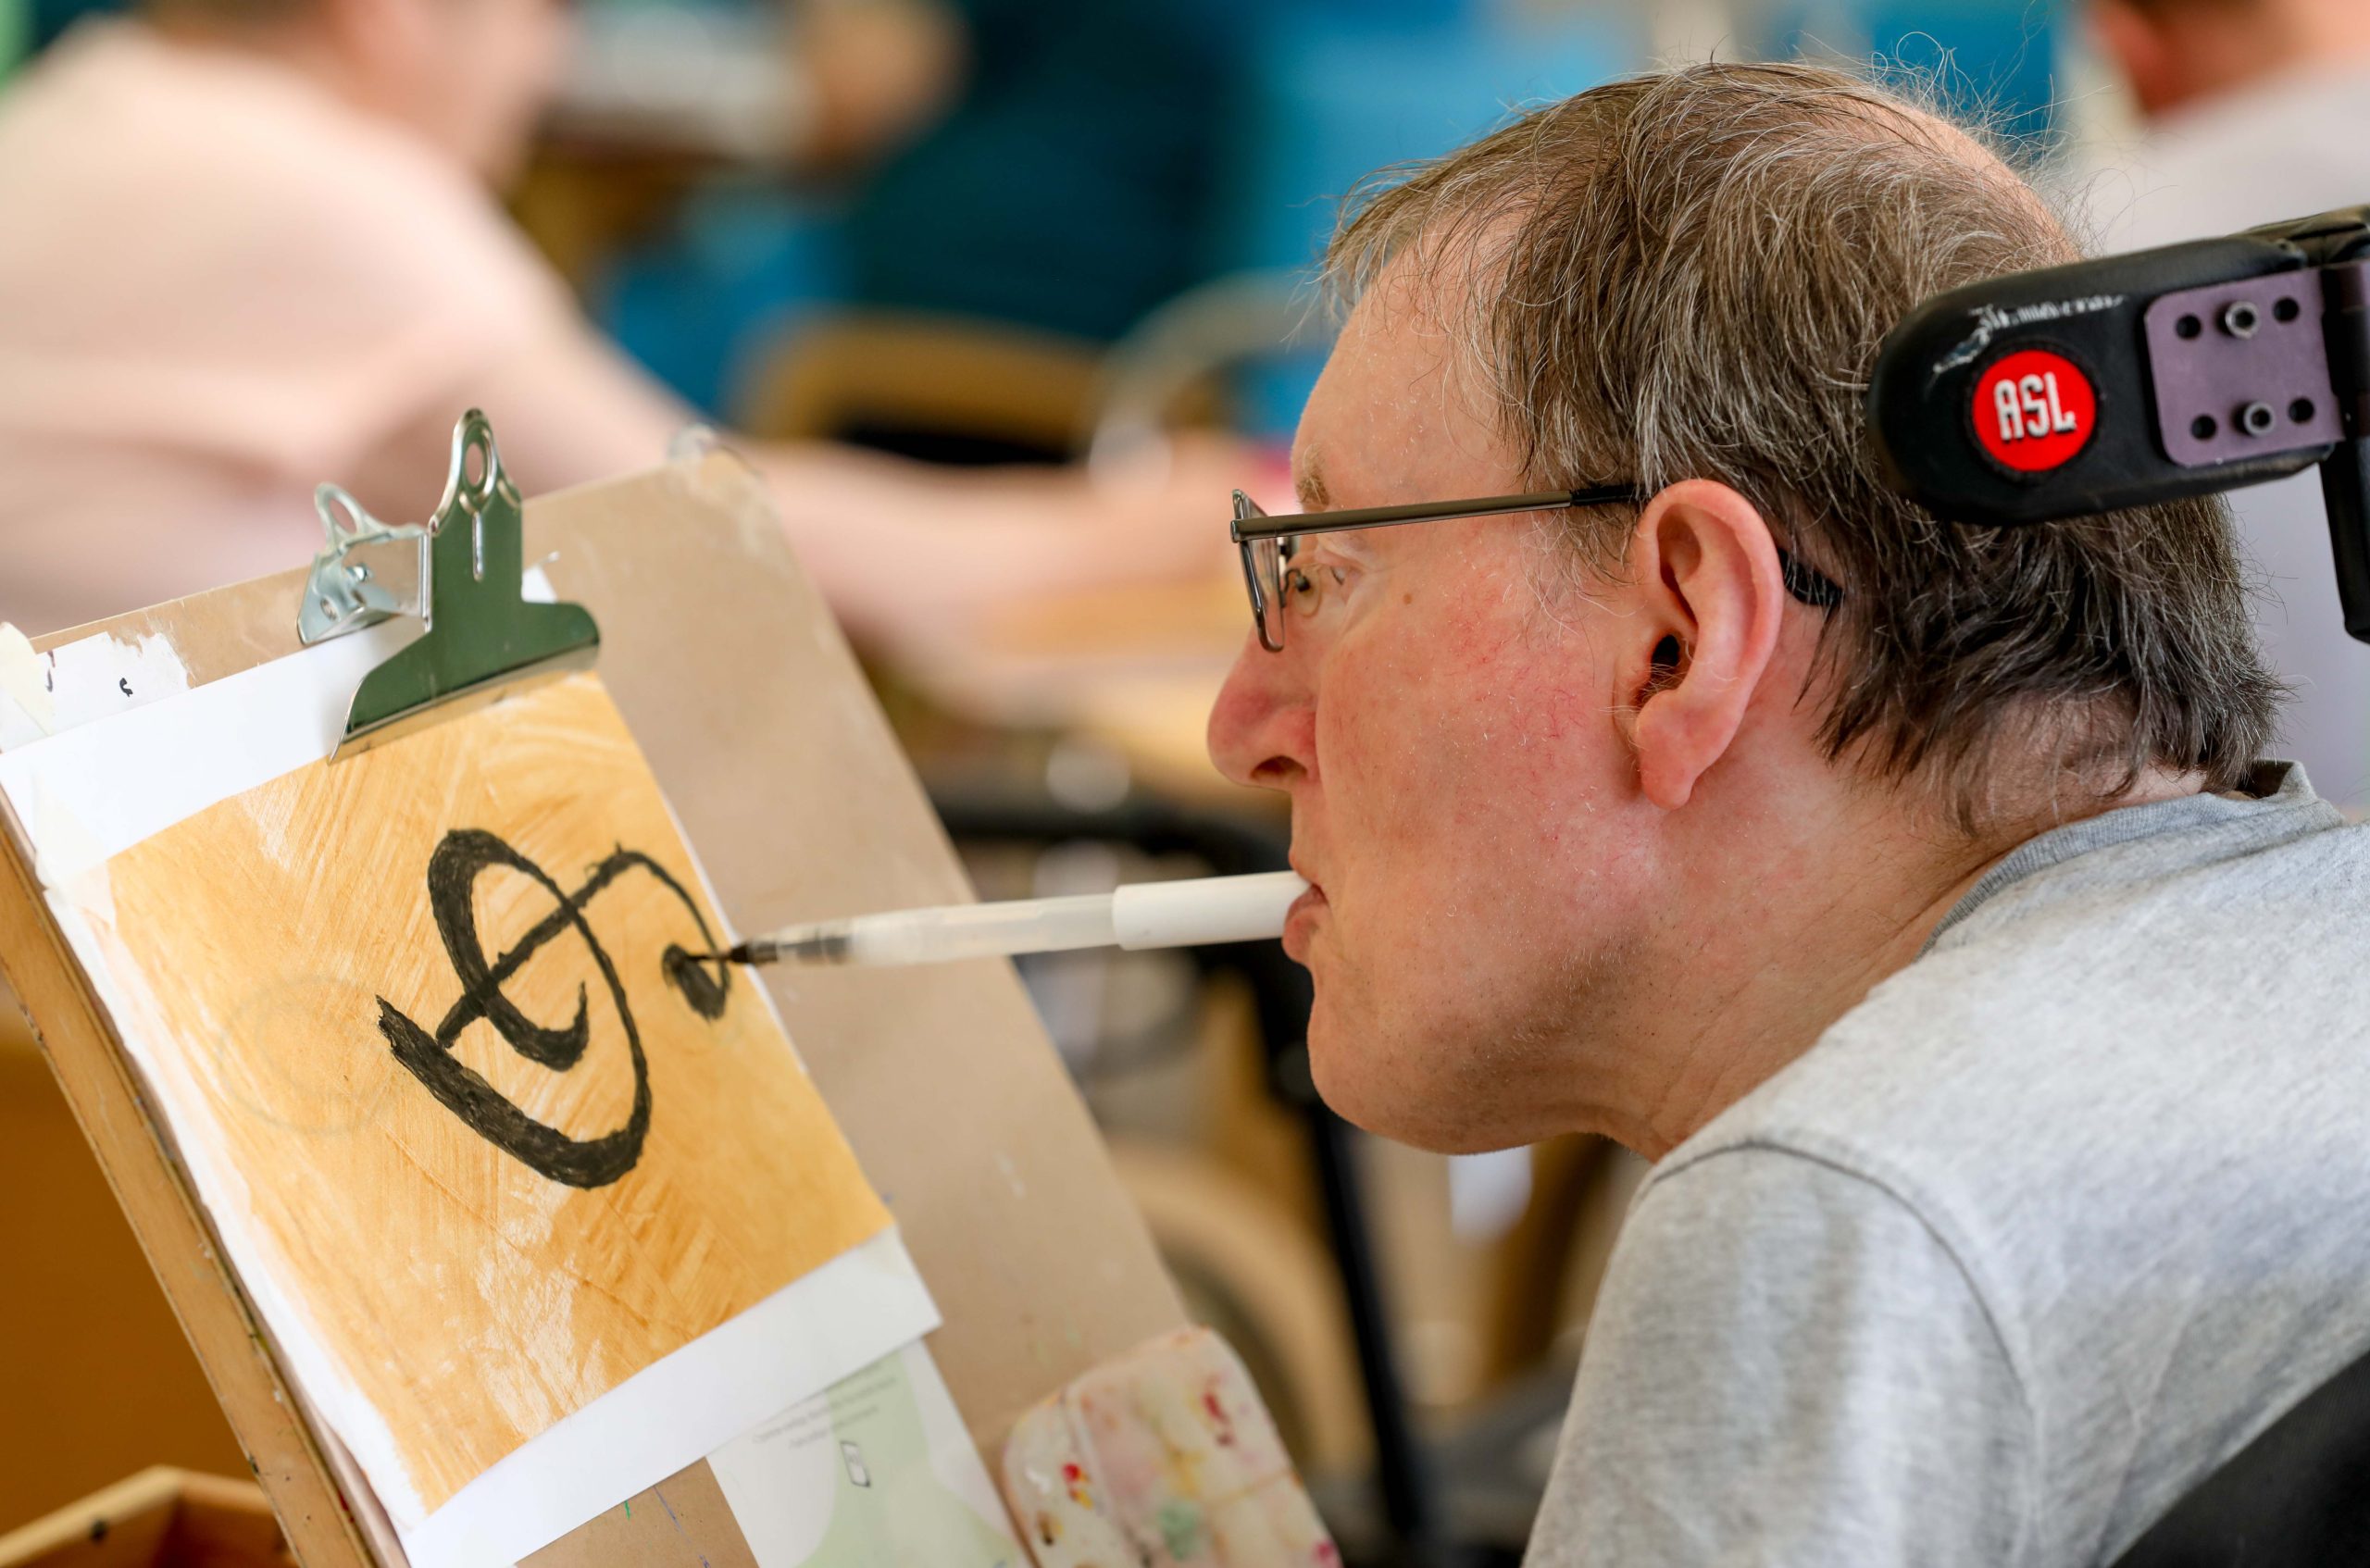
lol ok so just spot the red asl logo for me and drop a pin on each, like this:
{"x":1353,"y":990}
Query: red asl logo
{"x":2034,"y":410}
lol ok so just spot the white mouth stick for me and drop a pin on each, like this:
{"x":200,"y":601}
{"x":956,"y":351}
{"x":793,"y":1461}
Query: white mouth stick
{"x":1146,"y":915}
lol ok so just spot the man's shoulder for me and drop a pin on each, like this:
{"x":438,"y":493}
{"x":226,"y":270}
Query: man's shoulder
{"x":2140,"y":1063}
{"x":2136,"y":1017}
{"x":2131,"y":1099}
{"x":2128,"y":959}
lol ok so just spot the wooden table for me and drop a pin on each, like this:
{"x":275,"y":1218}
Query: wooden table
{"x":1132,"y":668}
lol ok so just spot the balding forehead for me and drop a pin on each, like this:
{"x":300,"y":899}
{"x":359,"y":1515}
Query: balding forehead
{"x":1953,"y":141}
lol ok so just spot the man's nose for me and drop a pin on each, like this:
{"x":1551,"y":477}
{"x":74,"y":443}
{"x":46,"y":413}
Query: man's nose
{"x":1263,"y":727}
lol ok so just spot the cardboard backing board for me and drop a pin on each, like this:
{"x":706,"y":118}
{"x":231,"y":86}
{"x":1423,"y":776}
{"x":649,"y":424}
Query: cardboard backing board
{"x":788,"y":784}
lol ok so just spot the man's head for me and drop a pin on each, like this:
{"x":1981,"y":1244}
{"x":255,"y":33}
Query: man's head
{"x":469,"y":76}
{"x":2176,"y":53}
{"x":1575,"y":788}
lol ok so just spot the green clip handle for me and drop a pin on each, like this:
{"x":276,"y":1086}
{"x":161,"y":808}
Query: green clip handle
{"x":483,"y":638}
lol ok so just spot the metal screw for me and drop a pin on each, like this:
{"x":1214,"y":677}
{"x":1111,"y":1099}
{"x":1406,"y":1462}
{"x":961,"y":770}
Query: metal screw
{"x":2240,"y":318}
{"x":2256,"y":419}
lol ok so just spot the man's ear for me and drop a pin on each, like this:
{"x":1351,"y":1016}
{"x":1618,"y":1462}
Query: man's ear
{"x":1706,"y":571}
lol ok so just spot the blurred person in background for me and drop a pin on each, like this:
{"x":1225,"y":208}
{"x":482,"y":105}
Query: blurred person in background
{"x":1115,"y":107}
{"x":254,"y":245}
{"x":1077,"y":147}
{"x":2258,"y":110}
{"x":875,"y":73}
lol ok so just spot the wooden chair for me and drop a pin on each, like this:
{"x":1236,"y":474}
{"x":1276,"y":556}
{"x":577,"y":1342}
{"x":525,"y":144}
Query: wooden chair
{"x":160,"y":1518}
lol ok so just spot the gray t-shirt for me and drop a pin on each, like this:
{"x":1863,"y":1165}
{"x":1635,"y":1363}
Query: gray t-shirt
{"x":2056,"y":1221}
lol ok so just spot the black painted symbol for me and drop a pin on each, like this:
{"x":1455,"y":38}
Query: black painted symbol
{"x":453,"y":872}
{"x":124,"y":682}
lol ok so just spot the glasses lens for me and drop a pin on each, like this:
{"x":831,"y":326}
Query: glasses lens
{"x":1268,"y":566}
{"x":1263,"y":571}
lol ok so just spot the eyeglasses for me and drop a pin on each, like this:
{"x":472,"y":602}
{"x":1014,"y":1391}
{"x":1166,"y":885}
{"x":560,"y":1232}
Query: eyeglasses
{"x":1268,"y":544}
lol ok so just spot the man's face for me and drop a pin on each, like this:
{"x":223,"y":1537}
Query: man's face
{"x":1444,"y":723}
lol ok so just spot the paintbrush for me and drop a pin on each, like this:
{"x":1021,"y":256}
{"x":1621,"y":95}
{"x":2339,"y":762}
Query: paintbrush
{"x":1144,"y":915}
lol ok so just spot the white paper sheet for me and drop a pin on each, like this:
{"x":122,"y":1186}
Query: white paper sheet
{"x":91,"y":792}
{"x":78,"y":681}
{"x":805,"y":1337}
{"x":875,"y":1472}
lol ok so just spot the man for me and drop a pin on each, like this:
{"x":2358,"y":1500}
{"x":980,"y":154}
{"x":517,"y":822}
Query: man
{"x":2258,"y":110}
{"x":1909,"y":893}
{"x":253,"y":247}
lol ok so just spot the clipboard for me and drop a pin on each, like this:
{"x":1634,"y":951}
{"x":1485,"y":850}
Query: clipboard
{"x":783,"y":773}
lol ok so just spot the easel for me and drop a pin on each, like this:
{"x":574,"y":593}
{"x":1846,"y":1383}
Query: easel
{"x":784,"y":776}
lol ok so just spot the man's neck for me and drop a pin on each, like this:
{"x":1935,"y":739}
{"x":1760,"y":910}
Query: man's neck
{"x":1840,"y":917}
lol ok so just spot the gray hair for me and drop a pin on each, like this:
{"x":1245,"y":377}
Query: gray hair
{"x":1687,"y":274}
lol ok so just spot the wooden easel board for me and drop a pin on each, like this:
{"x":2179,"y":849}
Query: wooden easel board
{"x":785,"y":779}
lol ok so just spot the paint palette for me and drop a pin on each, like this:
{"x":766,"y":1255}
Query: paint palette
{"x":1165,"y":1458}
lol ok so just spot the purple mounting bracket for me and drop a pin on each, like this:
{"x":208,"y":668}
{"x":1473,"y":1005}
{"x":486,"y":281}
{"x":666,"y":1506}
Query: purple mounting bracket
{"x":2240,"y":369}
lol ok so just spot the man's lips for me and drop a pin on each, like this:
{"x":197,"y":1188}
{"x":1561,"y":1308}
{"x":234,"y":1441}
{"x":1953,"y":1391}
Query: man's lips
{"x":1304,"y":910}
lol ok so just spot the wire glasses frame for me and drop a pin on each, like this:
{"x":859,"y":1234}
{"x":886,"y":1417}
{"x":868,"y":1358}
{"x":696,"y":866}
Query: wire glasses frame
{"x":1267,"y":544}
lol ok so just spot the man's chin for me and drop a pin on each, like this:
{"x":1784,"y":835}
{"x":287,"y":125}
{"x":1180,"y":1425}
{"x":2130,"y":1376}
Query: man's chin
{"x":1349,"y":1065}
{"x":1351,"y":1079}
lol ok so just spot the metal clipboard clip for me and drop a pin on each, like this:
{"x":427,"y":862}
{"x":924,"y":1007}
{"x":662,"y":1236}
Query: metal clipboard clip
{"x":462,"y":572}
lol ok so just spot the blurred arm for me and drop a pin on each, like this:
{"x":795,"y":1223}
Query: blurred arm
{"x":898,"y":547}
